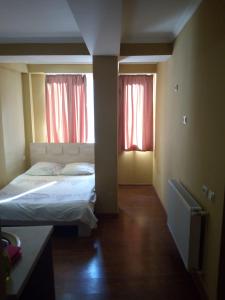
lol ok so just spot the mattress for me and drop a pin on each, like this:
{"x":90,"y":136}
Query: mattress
{"x":56,"y":199}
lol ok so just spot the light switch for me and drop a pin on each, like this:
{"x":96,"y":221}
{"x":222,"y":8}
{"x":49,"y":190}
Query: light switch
{"x":184,"y":120}
{"x":205,"y":189}
{"x":211,"y":195}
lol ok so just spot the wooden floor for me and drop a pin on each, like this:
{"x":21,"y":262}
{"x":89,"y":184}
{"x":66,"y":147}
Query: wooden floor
{"x":131,"y":256}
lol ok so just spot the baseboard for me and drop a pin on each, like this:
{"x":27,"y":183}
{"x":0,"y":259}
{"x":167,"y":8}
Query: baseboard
{"x":128,"y":185}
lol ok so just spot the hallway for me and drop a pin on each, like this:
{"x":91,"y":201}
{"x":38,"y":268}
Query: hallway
{"x":131,"y":256}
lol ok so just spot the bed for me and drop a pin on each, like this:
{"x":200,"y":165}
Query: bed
{"x":57,"y":190}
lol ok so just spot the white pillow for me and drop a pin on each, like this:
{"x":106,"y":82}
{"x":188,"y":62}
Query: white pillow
{"x":45,"y":169}
{"x":75,"y":169}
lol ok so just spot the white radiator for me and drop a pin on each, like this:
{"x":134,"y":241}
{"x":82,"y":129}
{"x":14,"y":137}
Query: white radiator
{"x":184,"y":219}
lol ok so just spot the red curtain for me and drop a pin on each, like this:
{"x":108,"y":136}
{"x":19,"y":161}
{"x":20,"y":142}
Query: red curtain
{"x":136,"y":112}
{"x":66,"y":108}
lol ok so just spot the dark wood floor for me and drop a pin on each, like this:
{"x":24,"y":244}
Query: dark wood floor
{"x":131,"y":256}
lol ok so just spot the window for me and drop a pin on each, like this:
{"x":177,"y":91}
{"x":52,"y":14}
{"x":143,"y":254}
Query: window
{"x":69,"y":108}
{"x":90,"y":108}
{"x":136,"y":112}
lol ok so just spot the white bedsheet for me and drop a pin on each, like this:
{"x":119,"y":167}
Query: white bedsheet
{"x":49,"y":198}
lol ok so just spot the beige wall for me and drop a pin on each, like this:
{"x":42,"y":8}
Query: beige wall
{"x":105,"y":71}
{"x":3,"y":180}
{"x":38,"y":96}
{"x":62,"y":68}
{"x":12,"y":137}
{"x":194,"y":153}
{"x":21,"y":68}
{"x":28,"y":114}
{"x":138,"y":68}
{"x":135,"y":167}
{"x":34,"y":109}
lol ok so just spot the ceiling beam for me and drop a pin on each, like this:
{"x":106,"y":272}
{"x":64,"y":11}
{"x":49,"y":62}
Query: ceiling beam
{"x":100,"y":25}
{"x":128,"y":49}
{"x":44,"y":49}
{"x":81,"y":49}
{"x":138,"y":68}
{"x":60,"y":68}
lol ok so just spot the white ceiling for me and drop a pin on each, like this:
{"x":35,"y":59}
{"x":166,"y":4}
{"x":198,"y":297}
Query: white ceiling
{"x":47,"y":59}
{"x":37,"y":21}
{"x":155,"y":21}
{"x":77,"y":59}
{"x":143,"y":59}
{"x":101,"y":24}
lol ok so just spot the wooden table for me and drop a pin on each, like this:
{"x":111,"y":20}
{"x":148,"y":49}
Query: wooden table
{"x":32,"y":276}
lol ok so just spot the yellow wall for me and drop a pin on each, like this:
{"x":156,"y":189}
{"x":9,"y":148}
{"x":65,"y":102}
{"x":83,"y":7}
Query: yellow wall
{"x":38,"y":96}
{"x":12,"y":137}
{"x":34,"y":107}
{"x":138,"y":68}
{"x":194,"y":153}
{"x":3,"y":180}
{"x":105,"y":71}
{"x":34,"y":110}
{"x":21,"y":68}
{"x":28,"y":114}
{"x":135,"y":167}
{"x":60,"y":68}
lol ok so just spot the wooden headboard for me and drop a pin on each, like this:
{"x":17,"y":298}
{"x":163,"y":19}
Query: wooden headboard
{"x":64,"y":153}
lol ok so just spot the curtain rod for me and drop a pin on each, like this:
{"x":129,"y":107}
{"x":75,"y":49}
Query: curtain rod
{"x":133,"y":74}
{"x":63,"y":73}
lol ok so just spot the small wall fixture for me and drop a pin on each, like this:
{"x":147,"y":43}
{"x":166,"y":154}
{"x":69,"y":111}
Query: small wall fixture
{"x":184,"y":120}
{"x":176,"y":87}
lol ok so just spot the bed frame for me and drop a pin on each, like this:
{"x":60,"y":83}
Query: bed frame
{"x":62,"y":153}
{"x":83,"y":230}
